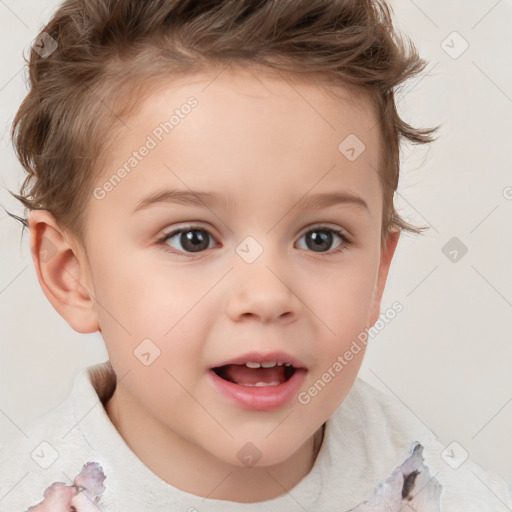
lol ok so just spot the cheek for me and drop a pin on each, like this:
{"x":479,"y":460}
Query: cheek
{"x":149,"y":311}
{"x":342,"y":304}
{"x":145,"y":300}
{"x":149,"y":332}
{"x":342,"y":300}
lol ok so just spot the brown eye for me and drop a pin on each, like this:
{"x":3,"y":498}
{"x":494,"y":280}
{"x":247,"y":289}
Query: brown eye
{"x":189,"y":240}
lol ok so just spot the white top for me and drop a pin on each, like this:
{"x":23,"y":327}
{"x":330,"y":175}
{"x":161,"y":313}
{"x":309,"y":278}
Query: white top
{"x":367,"y":437}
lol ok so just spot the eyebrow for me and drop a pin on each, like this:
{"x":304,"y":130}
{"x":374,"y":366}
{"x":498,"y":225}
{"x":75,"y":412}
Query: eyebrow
{"x":212,"y":200}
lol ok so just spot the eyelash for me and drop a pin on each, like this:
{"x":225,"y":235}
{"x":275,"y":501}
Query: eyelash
{"x":346,"y":242}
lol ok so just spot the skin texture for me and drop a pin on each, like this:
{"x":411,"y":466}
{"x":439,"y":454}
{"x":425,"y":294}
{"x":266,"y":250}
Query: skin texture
{"x":266,"y":140}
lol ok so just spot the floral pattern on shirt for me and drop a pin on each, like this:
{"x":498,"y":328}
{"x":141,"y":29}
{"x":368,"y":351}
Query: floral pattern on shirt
{"x":82,"y":496}
{"x":409,"y":488}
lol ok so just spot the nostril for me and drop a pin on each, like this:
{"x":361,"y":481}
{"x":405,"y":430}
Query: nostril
{"x":288,"y":316}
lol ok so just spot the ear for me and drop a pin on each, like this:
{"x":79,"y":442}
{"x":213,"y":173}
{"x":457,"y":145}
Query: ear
{"x":62,"y":270}
{"x":387,"y":251}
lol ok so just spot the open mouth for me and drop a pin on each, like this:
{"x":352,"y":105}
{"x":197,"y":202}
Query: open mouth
{"x":256,"y":374}
{"x":259,"y":382}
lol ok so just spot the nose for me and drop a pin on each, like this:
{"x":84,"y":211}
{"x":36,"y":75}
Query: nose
{"x":262,"y":291}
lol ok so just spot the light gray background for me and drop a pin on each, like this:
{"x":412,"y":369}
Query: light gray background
{"x":447,"y":356}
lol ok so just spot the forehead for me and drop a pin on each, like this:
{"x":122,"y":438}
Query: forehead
{"x":251,"y":132}
{"x":234,"y":91}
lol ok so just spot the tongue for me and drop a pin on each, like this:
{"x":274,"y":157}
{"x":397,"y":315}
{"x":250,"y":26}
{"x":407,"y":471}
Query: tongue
{"x":243,"y":375}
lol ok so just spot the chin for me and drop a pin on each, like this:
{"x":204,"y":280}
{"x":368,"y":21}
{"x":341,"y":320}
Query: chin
{"x":259,"y":453}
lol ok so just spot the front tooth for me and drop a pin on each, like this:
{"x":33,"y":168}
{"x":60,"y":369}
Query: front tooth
{"x":271,"y":364}
{"x":280,"y":364}
{"x":287,"y":364}
{"x":253,"y":365}
{"x":259,"y":384}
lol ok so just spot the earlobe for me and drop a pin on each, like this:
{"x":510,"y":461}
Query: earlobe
{"x":387,"y":252}
{"x":61,"y":272}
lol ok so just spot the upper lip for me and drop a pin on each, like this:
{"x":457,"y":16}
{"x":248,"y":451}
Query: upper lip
{"x":258,"y":357}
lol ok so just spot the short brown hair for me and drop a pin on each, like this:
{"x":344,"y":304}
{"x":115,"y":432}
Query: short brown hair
{"x":110,"y":51}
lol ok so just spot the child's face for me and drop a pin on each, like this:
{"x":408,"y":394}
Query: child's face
{"x":253,"y":272}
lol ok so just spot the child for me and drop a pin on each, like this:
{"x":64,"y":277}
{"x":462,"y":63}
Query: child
{"x":267,"y":128}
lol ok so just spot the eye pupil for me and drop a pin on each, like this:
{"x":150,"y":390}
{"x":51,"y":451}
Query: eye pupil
{"x":194,"y":240}
{"x":322,"y":239}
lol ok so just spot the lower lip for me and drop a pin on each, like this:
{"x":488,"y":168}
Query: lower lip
{"x":260,"y":398}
